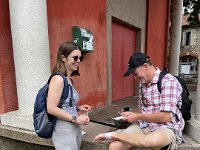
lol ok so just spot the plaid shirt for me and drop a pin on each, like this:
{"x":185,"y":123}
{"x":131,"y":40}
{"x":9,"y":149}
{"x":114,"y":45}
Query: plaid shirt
{"x":152,"y":101}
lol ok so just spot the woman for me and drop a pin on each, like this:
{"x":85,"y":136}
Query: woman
{"x":67,"y":134}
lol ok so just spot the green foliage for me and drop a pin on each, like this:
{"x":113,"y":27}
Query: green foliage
{"x":192,"y":7}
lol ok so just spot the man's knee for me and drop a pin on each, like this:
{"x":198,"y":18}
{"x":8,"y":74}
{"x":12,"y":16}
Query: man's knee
{"x":117,"y":145}
{"x":156,"y":141}
{"x":153,"y":142}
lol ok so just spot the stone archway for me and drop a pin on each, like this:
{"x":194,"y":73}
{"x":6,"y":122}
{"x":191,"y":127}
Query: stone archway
{"x":188,"y":67}
{"x":190,"y":52}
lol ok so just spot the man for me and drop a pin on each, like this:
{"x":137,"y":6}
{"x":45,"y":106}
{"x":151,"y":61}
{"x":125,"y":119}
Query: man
{"x":159,"y":124}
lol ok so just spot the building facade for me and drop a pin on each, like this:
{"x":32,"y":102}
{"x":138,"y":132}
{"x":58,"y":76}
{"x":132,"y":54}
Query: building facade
{"x":189,"y":51}
{"x":31,"y":32}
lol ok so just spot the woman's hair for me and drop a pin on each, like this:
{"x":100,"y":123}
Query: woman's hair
{"x":65,"y":49}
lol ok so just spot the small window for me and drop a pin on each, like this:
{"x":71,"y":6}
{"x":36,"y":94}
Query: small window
{"x":186,"y":39}
{"x":184,"y":59}
{"x":191,"y":59}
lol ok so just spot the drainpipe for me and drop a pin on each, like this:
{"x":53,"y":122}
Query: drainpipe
{"x":175,"y":36}
{"x":31,"y":57}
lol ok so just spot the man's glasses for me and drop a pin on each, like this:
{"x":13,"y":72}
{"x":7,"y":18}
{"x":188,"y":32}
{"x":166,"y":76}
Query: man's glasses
{"x":76,"y":58}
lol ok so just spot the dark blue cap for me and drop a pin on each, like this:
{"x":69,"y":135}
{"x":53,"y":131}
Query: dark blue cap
{"x":136,"y":60}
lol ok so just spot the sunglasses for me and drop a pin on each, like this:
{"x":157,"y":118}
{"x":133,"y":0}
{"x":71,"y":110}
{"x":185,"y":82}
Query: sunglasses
{"x":76,"y":58}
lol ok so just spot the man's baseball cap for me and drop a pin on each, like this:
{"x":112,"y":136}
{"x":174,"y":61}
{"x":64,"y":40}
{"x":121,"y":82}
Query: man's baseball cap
{"x":136,"y":60}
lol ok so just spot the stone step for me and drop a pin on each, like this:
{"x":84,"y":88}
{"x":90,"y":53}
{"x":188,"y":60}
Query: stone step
{"x":13,"y":138}
{"x":189,"y":144}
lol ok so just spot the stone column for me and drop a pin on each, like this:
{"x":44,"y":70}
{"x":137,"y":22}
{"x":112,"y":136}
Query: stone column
{"x":197,"y":102}
{"x":31,"y":57}
{"x":175,"y":36}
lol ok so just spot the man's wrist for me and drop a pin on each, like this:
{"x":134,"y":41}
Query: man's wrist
{"x":109,"y":135}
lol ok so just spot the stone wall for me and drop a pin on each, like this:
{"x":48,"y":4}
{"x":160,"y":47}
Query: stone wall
{"x":195,"y":45}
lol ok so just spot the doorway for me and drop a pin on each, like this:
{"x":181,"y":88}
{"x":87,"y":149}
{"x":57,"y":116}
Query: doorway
{"x":123,"y":46}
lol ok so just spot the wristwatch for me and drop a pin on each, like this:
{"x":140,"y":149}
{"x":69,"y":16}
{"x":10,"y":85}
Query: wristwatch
{"x":73,"y":118}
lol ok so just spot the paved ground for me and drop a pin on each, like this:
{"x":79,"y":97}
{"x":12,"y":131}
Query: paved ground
{"x":105,"y":115}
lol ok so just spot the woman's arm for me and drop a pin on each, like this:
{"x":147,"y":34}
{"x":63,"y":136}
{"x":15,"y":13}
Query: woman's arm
{"x":55,"y":91}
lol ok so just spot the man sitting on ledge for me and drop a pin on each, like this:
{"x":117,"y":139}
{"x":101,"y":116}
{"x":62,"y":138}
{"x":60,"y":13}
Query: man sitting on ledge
{"x":159,"y":124}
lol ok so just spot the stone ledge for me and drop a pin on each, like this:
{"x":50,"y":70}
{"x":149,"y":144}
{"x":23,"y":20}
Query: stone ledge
{"x":23,"y":135}
{"x":18,"y":120}
{"x":12,"y":138}
{"x":192,"y":129}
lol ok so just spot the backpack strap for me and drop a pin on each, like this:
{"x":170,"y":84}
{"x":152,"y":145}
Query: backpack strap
{"x":72,"y":96}
{"x":183,"y":85}
{"x":65,"y":91}
{"x":162,"y":74}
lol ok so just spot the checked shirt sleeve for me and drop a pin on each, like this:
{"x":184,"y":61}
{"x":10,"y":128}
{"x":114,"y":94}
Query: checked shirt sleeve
{"x":170,"y":94}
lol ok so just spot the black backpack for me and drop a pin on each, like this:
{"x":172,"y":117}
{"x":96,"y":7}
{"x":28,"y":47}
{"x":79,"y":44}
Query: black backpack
{"x":186,"y":102}
{"x":43,"y":122}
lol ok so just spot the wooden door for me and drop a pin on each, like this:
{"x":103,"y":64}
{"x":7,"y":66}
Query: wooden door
{"x":123,"y":46}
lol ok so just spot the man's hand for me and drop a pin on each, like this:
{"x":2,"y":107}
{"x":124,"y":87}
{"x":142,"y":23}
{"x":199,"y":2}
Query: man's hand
{"x":100,"y":137}
{"x":130,"y":116}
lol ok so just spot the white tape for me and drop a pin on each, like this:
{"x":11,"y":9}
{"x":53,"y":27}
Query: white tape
{"x":109,"y":135}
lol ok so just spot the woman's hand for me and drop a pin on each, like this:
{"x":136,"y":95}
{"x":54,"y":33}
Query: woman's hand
{"x":82,"y":120}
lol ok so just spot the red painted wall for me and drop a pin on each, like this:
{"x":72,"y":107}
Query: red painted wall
{"x":157,"y":31}
{"x":8,"y":92}
{"x":64,"y":14}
